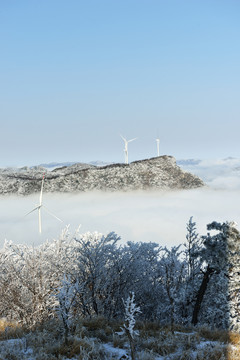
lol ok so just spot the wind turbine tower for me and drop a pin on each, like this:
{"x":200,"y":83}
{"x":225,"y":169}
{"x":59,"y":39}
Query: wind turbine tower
{"x":39,"y":207}
{"x":126,"y":147}
{"x":158,"y":141}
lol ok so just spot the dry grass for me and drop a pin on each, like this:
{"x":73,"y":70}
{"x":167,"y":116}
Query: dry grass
{"x":233,"y":353}
{"x":95,"y":323}
{"x":97,"y":327}
{"x":234,"y":338}
{"x":146,"y":355}
{"x":14,"y":351}
{"x":148,"y":329}
{"x":4,"y":323}
{"x":87,"y":335}
{"x":119,"y":341}
{"x":214,"y":335}
{"x":11,"y":330}
{"x":159,"y":347}
{"x":82,"y":349}
{"x":213,"y":352}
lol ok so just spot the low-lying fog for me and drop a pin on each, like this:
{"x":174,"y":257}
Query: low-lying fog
{"x":137,"y":216}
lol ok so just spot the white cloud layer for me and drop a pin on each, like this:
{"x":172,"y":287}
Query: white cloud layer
{"x":217,"y":173}
{"x":137,"y":216}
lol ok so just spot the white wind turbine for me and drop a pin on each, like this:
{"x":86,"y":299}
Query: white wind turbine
{"x":158,"y":141}
{"x":126,"y":147}
{"x":39,"y":207}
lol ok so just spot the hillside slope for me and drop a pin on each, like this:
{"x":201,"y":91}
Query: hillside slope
{"x":155,"y":173}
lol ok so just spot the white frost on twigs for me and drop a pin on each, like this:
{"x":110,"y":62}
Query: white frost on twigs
{"x":130,"y":312}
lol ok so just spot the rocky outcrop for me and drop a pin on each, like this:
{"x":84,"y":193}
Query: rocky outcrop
{"x":156,"y":173}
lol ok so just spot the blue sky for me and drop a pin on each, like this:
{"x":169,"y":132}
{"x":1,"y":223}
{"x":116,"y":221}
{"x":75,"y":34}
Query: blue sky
{"x":76,"y":74}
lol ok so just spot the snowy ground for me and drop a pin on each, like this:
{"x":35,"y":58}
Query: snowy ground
{"x":21,"y":350}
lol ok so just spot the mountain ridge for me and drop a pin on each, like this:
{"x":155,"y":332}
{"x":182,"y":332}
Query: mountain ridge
{"x":155,"y":173}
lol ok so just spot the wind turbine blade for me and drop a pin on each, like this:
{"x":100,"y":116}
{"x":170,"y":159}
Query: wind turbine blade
{"x":123,"y":138}
{"x":132,"y":139}
{"x":33,"y":210}
{"x":41,"y":192}
{"x":50,"y":213}
{"x":39,"y":220}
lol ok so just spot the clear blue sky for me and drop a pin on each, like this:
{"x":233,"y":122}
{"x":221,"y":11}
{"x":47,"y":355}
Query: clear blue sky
{"x":75,"y":74}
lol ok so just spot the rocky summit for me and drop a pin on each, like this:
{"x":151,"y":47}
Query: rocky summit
{"x":160,"y":173}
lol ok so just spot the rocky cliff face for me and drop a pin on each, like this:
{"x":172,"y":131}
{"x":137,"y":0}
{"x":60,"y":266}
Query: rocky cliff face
{"x":155,"y":173}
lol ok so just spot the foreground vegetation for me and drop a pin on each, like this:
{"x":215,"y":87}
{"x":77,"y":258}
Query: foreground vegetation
{"x":99,"y":339}
{"x":84,"y":296}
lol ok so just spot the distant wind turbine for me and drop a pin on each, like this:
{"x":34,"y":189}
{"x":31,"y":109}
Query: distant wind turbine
{"x":158,"y":141}
{"x":39,"y":207}
{"x":126,"y":147}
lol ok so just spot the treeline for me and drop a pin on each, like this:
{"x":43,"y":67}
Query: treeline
{"x":91,"y":274}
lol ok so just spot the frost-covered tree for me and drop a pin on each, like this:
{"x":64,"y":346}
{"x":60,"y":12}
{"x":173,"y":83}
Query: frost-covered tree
{"x":192,"y":247}
{"x":218,"y":254}
{"x":29,"y":276}
{"x":234,"y":276}
{"x":131,"y":310}
{"x":27,"y":296}
{"x":95,"y":262}
{"x":214,"y":311}
{"x":221,"y":303}
{"x":170,"y":284}
{"x":140,"y":273}
{"x":65,"y":296}
{"x":173,"y":274}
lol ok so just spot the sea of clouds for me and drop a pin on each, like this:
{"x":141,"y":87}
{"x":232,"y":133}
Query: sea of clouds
{"x":135,"y":216}
{"x":218,"y":174}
